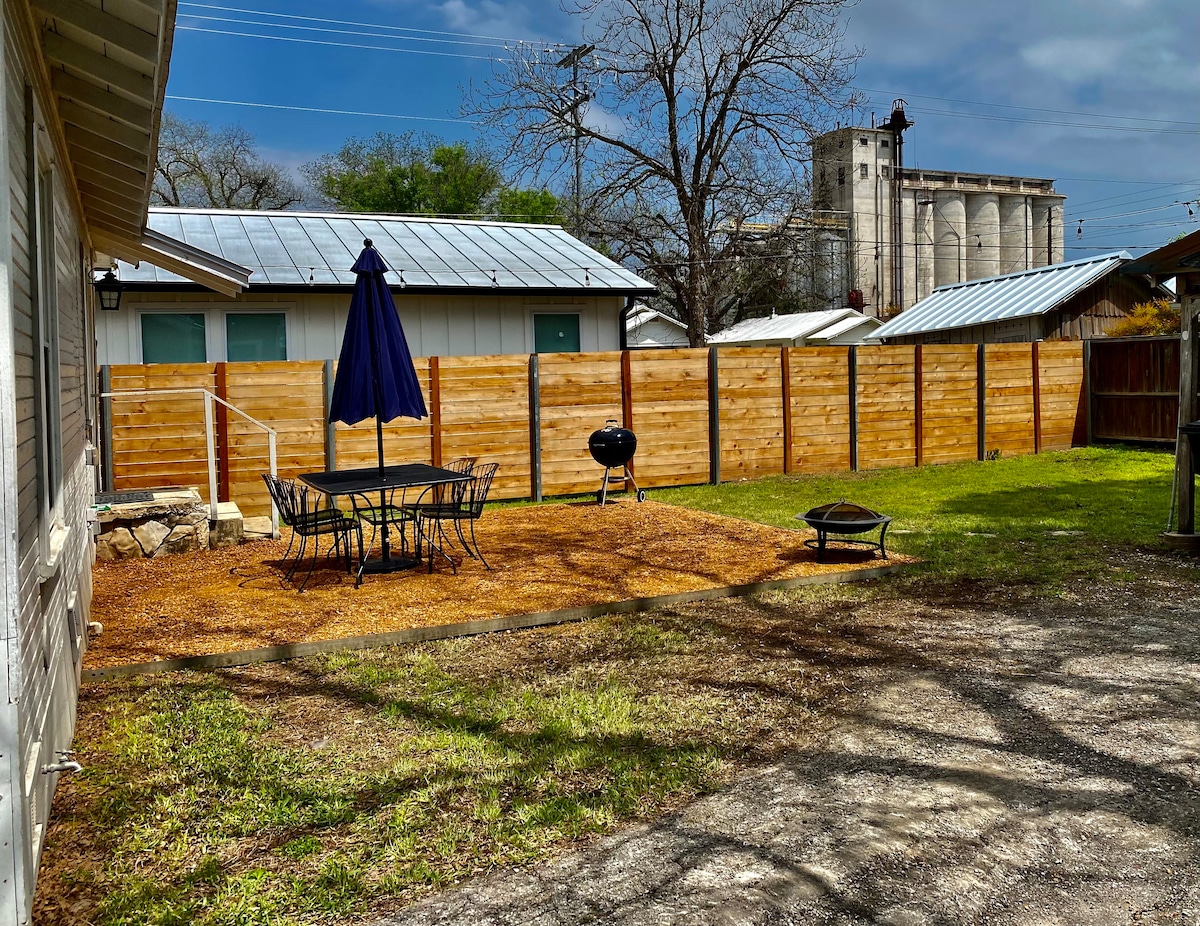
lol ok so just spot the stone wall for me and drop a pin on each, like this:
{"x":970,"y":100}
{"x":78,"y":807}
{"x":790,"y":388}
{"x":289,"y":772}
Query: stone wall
{"x":174,"y":520}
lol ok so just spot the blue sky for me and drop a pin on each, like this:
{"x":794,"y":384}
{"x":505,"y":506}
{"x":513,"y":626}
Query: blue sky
{"x":1102,"y":96}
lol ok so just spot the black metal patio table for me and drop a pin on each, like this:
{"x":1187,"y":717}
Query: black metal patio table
{"x":385,"y":481}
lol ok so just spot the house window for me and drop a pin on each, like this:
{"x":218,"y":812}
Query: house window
{"x":862,"y":140}
{"x":256,"y":336}
{"x":172,"y":338}
{"x":883,"y":143}
{"x":47,"y":388}
{"x":554,"y":334}
{"x":863,"y":171}
{"x":841,"y":176}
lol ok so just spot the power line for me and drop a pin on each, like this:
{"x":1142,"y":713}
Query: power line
{"x":288,"y":38}
{"x":404,"y":38}
{"x":314,"y":109}
{"x":1069,"y":125}
{"x":1034,"y":109}
{"x":348,"y":22}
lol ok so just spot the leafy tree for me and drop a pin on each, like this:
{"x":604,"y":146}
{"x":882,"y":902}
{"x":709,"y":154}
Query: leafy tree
{"x":410,"y":174}
{"x":701,"y":116}
{"x":198,"y":166}
{"x":1158,"y":316}
{"x":537,"y":206}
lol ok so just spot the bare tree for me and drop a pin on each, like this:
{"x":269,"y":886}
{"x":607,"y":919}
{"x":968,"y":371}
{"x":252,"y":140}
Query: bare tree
{"x":201,"y":167}
{"x":693,"y":117}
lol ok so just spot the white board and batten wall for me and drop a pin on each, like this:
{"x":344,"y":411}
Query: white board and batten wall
{"x":434,"y":325}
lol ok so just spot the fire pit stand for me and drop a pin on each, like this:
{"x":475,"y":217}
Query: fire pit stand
{"x":843,"y":518}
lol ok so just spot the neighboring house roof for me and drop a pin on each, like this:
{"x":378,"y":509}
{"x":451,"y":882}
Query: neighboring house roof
{"x":295,"y":250}
{"x":1173,"y":259}
{"x":825,"y":325}
{"x":995,"y":299}
{"x":647,"y":327}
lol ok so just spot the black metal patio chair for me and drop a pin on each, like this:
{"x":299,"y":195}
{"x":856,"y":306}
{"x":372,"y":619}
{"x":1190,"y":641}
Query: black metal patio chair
{"x":461,"y":502}
{"x":301,"y":509}
{"x":398,"y":513}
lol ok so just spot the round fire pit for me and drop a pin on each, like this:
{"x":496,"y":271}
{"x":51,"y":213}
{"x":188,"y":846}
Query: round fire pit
{"x":845,"y":518}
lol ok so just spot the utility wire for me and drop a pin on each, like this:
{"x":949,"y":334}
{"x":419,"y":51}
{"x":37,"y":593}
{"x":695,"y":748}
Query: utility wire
{"x":355,"y":32}
{"x":1035,"y":109}
{"x":288,"y":38}
{"x":314,"y":109}
{"x":348,"y":22}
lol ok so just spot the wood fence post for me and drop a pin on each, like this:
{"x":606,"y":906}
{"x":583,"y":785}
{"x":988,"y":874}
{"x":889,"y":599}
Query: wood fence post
{"x":919,"y":404}
{"x":786,"y":368}
{"x":535,"y":431}
{"x":1087,"y":392}
{"x":852,"y":369}
{"x":222,"y":390}
{"x":1188,"y":408}
{"x":435,"y":411}
{"x":106,"y":428}
{"x":1037,"y":399}
{"x":714,"y":418}
{"x":627,"y":401}
{"x":330,"y":427}
{"x":981,"y":401}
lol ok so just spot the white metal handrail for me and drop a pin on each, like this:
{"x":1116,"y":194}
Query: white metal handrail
{"x":209,"y":418}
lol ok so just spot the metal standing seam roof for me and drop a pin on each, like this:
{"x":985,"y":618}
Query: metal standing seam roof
{"x":994,"y":299}
{"x":295,"y":249}
{"x":788,"y":327}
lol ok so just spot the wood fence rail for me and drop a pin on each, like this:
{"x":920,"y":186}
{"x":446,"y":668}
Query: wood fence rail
{"x":701,"y":415}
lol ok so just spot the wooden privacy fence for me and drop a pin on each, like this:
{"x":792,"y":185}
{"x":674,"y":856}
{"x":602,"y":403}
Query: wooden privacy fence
{"x":1133,"y":389}
{"x":700,"y":415}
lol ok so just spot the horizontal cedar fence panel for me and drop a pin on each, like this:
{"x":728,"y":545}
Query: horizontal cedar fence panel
{"x":668,"y":399}
{"x":750,"y":397}
{"x":1008,"y":417}
{"x":1134,"y":385}
{"x":1063,"y":420}
{"x":159,"y":440}
{"x":887,"y":406}
{"x":949,"y":403}
{"x":877,"y":406}
{"x":484,"y":413}
{"x":577,"y":394}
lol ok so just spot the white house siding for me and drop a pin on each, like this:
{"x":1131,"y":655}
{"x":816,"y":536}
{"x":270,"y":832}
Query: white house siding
{"x":434,"y":325}
{"x":42,"y":650}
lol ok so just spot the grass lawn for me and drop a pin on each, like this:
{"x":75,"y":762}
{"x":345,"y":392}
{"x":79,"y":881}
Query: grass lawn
{"x":324,"y":788}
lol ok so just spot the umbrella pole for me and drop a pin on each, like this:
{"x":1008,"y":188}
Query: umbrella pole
{"x":383,"y":510}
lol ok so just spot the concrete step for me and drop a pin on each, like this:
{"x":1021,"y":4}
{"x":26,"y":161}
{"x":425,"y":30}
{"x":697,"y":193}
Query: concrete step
{"x":228,"y":529}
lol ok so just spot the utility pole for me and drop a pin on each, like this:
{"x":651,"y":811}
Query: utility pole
{"x":571,"y":60}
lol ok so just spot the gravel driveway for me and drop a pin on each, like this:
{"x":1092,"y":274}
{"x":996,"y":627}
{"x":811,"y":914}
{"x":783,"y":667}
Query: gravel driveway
{"x":1011,"y":760}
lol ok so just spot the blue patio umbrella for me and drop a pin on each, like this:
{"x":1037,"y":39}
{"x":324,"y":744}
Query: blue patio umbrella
{"x":375,"y":375}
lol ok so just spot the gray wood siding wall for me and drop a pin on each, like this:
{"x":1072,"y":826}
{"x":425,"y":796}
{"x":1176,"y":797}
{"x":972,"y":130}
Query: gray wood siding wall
{"x":44,"y":643}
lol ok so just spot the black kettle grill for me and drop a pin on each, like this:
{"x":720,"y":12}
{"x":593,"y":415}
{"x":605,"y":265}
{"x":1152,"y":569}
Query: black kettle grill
{"x":613,"y":447}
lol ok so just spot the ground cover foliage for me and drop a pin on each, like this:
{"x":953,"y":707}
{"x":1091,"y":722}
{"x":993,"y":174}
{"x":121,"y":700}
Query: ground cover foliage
{"x":321,"y":789}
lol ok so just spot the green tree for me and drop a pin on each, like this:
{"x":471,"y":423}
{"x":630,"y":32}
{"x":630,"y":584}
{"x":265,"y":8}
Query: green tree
{"x":409,"y":174}
{"x":538,"y":206}
{"x":199,"y":166}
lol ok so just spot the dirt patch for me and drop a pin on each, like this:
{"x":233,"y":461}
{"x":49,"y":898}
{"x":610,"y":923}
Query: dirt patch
{"x":543,"y":558}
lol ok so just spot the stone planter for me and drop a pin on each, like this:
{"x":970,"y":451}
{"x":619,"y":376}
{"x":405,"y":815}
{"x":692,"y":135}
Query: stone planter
{"x":174,"y":520}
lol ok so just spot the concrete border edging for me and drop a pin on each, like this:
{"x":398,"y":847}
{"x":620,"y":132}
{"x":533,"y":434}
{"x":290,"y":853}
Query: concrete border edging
{"x":472,"y":628}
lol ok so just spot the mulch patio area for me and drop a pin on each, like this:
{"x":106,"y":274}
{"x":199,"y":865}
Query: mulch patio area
{"x":543,"y":558}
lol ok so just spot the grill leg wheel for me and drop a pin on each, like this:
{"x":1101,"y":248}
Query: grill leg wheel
{"x":641,"y":496}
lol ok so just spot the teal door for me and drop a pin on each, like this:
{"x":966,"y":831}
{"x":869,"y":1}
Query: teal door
{"x":554,"y":334}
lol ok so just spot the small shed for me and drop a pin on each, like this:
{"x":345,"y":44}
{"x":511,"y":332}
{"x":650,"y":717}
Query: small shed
{"x":646,"y":327}
{"x":1071,"y":301}
{"x":462,"y":288}
{"x":800,"y":329}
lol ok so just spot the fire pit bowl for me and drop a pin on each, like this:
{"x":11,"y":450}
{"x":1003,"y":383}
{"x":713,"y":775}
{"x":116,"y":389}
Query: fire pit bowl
{"x":845,"y":518}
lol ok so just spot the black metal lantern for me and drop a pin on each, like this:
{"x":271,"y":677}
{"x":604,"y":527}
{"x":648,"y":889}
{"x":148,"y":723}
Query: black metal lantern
{"x":108,"y":288}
